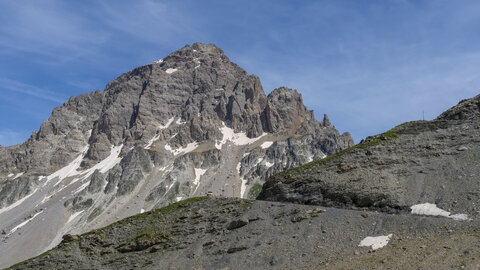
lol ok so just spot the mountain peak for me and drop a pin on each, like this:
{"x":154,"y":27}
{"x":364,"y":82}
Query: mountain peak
{"x":187,"y":124}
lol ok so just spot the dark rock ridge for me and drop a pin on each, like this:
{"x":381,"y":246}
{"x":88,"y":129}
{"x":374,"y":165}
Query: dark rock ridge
{"x":187,"y":124}
{"x":414,"y":163}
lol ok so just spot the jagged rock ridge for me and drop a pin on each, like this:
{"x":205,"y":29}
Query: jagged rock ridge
{"x":187,"y":124}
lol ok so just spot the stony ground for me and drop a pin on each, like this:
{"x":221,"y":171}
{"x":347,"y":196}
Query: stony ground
{"x":203,"y":233}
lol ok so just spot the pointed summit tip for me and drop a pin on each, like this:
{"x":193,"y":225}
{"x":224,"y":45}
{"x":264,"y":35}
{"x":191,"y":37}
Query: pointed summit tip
{"x":326,"y":121}
{"x":206,"y":47}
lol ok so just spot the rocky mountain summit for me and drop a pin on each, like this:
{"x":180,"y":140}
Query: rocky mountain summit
{"x":176,"y":128}
{"x":404,"y":199}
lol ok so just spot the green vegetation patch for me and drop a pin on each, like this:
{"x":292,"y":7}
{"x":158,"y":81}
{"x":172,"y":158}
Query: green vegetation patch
{"x":151,"y":233}
{"x":377,"y":140}
{"x":254,"y":191}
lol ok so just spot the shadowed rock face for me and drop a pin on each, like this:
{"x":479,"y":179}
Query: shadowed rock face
{"x":187,"y":124}
{"x":414,"y":163}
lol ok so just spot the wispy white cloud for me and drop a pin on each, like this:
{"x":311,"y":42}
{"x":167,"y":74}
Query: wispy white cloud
{"x":49,"y":29}
{"x":26,"y":89}
{"x":9,"y":137}
{"x":369,"y":65}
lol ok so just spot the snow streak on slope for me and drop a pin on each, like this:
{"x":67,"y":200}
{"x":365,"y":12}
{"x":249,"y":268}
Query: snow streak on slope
{"x":198,"y":173}
{"x":69,"y":170}
{"x":236,"y":138}
{"x":266,"y":145}
{"x":74,"y":215}
{"x":156,"y":137}
{"x":23,"y":223}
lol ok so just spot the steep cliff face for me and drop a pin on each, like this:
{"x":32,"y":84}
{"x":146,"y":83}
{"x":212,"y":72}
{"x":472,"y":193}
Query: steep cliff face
{"x":187,"y":124}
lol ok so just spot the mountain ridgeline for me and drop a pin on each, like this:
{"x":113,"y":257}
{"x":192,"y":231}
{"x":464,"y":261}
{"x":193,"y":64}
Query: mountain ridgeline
{"x":176,"y":128}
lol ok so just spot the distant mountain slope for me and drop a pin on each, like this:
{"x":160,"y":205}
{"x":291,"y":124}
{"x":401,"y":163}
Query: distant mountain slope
{"x":187,"y":124}
{"x":417,"y":162}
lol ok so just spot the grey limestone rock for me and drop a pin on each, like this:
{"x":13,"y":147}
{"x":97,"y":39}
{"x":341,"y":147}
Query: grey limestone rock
{"x":189,"y":124}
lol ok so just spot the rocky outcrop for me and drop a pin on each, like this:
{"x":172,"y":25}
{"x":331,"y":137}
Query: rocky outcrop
{"x":187,"y":124}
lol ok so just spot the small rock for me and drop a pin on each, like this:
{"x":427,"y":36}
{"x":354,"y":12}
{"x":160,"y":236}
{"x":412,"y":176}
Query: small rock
{"x":237,"y":224}
{"x":462,"y":148}
{"x":69,"y":238}
{"x":235,"y":249}
{"x":299,"y":218}
{"x":211,"y":242}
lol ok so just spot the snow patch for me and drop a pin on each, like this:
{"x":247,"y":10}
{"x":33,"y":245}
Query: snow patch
{"x":169,"y":122}
{"x":197,"y":62}
{"x":159,"y":61}
{"x":103,"y":166}
{"x":69,"y":170}
{"x":431,"y":209}
{"x":198,"y":174}
{"x":236,"y":138}
{"x":180,"y":122}
{"x":10,"y":175}
{"x":243,"y":187}
{"x":268,"y":164}
{"x":266,"y":145}
{"x":187,"y":149}
{"x":177,"y":199}
{"x":142,"y":211}
{"x":18,"y":175}
{"x":239,"y":165}
{"x":375,"y":242}
{"x":171,"y":70}
{"x":23,"y":223}
{"x":109,"y":162}
{"x":73,"y":216}
{"x":156,"y":137}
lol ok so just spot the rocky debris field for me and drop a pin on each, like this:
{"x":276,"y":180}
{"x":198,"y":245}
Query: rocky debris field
{"x":206,"y":233}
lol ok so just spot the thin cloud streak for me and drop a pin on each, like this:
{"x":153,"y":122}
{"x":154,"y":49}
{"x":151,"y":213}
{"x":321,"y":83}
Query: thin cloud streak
{"x":23,"y":88}
{"x":368,"y":65}
{"x":10,"y":137}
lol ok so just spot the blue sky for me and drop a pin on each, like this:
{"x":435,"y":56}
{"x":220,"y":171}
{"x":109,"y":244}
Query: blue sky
{"x":369,"y":65}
